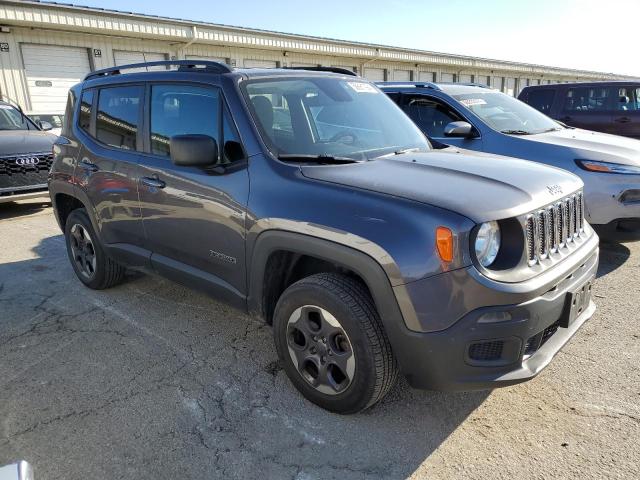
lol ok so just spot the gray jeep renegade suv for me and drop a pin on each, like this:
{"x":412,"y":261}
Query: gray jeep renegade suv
{"x":308,"y":199}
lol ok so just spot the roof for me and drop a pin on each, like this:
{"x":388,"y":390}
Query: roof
{"x":450,"y":88}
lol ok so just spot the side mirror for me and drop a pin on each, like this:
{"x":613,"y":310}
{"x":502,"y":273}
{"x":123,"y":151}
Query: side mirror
{"x":45,"y":125}
{"x":193,"y":150}
{"x":459,"y":129}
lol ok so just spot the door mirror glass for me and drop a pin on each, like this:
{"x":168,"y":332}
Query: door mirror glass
{"x":45,"y":125}
{"x":193,"y":150}
{"x":459,"y":129}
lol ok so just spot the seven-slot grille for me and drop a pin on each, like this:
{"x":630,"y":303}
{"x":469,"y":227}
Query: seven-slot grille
{"x":24,"y":171}
{"x":550,"y":229}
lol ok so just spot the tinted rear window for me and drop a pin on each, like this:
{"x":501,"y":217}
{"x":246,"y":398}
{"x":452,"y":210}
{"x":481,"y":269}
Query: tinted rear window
{"x":541,"y":99}
{"x":587,"y":99}
{"x":118,"y":116}
{"x":86,"y":104}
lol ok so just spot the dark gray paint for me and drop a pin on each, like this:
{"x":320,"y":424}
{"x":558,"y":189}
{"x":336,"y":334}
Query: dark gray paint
{"x":376,"y":219}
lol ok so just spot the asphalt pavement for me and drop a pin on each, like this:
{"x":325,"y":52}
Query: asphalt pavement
{"x":150,"y":380}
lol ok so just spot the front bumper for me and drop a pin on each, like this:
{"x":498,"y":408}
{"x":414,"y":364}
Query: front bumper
{"x":441,"y":360}
{"x":610,"y":198}
{"x":16,"y":196}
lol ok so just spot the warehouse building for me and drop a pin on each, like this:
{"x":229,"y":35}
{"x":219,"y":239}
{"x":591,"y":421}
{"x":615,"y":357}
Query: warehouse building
{"x":45,"y":47}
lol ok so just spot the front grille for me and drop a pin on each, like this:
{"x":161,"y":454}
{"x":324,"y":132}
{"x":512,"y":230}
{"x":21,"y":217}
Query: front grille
{"x":534,"y":343}
{"x":486,"y":351}
{"x":20,"y":172}
{"x":551,"y":228}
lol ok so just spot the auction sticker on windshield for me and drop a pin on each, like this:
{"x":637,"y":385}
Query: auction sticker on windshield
{"x":362,"y":87}
{"x":470,"y":102}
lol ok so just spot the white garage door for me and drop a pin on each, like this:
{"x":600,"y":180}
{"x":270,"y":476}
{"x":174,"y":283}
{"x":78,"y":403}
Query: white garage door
{"x":402,"y":75}
{"x":425,"y":76}
{"x":302,"y":64}
{"x":464,"y":78}
{"x":50,"y":72}
{"x":260,"y":64}
{"x":374,"y":74}
{"x":120,"y":57}
{"x":210,"y":59}
{"x":446,"y":77}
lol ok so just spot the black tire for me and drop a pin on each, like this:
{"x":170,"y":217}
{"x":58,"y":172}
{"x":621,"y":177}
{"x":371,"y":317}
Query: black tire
{"x":347,"y":301}
{"x":103,"y":272}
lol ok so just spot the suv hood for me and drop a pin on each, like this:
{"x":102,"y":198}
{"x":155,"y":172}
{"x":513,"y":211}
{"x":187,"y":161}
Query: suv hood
{"x":480,"y":187}
{"x":589,"y":145}
{"x":16,"y":142}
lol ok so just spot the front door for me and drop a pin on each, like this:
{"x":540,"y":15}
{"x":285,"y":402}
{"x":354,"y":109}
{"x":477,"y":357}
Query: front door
{"x":432,"y":115}
{"x":194,"y":217}
{"x":626,"y":115}
{"x":590,"y":108}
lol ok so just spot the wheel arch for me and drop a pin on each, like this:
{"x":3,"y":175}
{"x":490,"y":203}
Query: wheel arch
{"x":271,"y":242}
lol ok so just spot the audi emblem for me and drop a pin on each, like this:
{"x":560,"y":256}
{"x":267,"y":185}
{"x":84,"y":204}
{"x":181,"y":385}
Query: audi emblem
{"x":27,"y":160}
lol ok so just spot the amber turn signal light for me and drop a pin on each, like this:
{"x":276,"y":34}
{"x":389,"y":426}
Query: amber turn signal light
{"x":444,"y":243}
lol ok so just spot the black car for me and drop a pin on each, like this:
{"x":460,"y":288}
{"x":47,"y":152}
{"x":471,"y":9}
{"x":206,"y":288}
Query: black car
{"x":608,"y":107}
{"x":25,"y":155}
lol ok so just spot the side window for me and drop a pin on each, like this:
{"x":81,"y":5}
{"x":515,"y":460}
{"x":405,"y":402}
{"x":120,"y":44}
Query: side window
{"x":542,"y":99}
{"x":182,"y":110}
{"x":430,"y":115}
{"x":627,"y":99}
{"x":118,"y":116}
{"x":86,"y":104}
{"x":587,"y":99}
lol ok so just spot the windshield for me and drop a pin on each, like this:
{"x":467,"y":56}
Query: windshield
{"x":12,"y":119}
{"x":54,"y":119}
{"x":506,"y":114}
{"x":326,"y":116}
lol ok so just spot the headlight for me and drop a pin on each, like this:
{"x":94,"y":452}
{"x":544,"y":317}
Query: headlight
{"x":487,"y":243}
{"x":606,"y":167}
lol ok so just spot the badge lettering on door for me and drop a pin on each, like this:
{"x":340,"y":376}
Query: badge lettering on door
{"x":222,"y":257}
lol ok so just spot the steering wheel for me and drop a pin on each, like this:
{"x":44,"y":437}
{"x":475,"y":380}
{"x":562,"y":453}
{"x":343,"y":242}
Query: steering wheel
{"x":344,"y":134}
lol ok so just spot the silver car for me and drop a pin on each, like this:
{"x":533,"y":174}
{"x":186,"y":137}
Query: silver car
{"x":478,"y":118}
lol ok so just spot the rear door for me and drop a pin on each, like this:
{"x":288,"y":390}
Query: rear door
{"x":109,"y":122}
{"x":588,"y":107}
{"x":626,"y":116}
{"x":194,"y":217}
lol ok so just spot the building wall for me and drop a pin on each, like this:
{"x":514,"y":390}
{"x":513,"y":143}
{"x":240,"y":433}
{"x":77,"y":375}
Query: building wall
{"x":47,"y":24}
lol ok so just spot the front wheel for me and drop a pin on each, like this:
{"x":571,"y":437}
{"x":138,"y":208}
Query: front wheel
{"x":332,"y":345}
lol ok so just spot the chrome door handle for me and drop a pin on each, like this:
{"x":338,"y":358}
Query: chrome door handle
{"x":85,"y":164}
{"x":153,"y":182}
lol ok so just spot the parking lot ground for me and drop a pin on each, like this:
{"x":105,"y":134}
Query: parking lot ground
{"x":150,"y":380}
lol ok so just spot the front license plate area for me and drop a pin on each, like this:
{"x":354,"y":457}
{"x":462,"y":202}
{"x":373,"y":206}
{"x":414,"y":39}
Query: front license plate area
{"x":577,"y":302}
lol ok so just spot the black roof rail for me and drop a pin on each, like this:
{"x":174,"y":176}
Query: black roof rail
{"x":431,"y":85}
{"x":343,"y":71}
{"x":183,"y":65}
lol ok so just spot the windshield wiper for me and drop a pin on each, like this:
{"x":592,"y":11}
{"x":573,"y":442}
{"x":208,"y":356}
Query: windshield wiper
{"x":516,"y":132}
{"x":406,"y":150}
{"x":303,"y":157}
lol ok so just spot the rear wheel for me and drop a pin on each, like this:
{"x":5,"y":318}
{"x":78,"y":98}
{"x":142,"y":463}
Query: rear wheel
{"x":331,"y":343}
{"x":88,"y":259}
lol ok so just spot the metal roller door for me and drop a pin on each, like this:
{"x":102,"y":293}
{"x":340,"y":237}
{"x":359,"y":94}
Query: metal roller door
{"x":374,"y":74}
{"x":51,"y":70}
{"x":447,"y":77}
{"x":402,"y":75}
{"x":121,"y":57}
{"x":260,"y":64}
{"x":464,"y":78}
{"x":210,"y":59}
{"x":426,"y":76}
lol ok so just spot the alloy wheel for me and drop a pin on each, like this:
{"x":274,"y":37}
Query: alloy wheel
{"x":83,"y":251}
{"x":320,"y":349}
